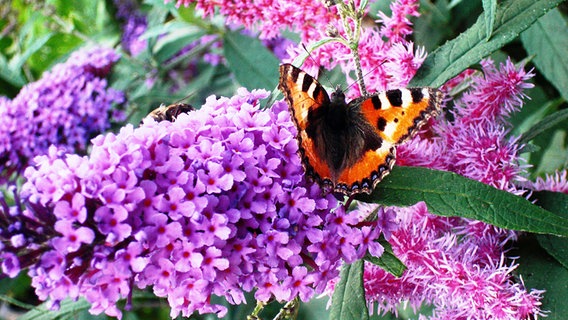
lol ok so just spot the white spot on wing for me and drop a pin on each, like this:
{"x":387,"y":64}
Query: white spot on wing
{"x":385,"y":103}
{"x":300,"y":79}
{"x":390,"y":129}
{"x":312,"y":88}
{"x":406,"y":98}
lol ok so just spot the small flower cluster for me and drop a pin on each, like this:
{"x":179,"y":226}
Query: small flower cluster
{"x":270,"y":17}
{"x":388,"y":60}
{"x":397,"y":27}
{"x":211,"y":204}
{"x":68,"y":106}
{"x":134,"y":25}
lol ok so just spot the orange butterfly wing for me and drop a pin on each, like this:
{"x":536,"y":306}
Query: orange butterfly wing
{"x":304,"y":94}
{"x":385,"y":119}
{"x":398,"y":114}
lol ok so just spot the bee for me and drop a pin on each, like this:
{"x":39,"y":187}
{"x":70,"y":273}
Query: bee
{"x":169,"y":113}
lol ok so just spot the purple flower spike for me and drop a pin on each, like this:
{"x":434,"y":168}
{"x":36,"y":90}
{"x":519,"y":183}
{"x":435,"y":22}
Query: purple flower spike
{"x":212,"y":204}
{"x":66,"y":107}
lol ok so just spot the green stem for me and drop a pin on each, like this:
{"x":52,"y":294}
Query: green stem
{"x":257,"y":309}
{"x":349,"y":12}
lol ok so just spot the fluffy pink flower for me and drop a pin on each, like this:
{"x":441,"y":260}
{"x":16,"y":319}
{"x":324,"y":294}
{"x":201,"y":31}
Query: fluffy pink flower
{"x":496,"y":93}
{"x":556,"y":182}
{"x":475,"y":143}
{"x":462,"y":274}
{"x":456,"y":265}
{"x":398,"y":26}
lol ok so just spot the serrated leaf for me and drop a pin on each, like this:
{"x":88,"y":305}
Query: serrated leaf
{"x":252,"y":63}
{"x":348,"y":301}
{"x":511,"y":18}
{"x":557,"y":203}
{"x":540,"y":271}
{"x":449,"y":194}
{"x":547,"y":40}
{"x":489,"y":8}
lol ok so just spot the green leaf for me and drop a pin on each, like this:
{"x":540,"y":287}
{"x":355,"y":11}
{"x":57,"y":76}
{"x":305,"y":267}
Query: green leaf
{"x":449,"y":194}
{"x":554,"y":154}
{"x":557,"y":203}
{"x":254,"y":66}
{"x":170,"y":44}
{"x":540,"y":271}
{"x":511,"y":18}
{"x":547,"y":40}
{"x":348,"y":301}
{"x":387,"y":261}
{"x":547,"y":123}
{"x":489,"y":8}
{"x":68,"y":310}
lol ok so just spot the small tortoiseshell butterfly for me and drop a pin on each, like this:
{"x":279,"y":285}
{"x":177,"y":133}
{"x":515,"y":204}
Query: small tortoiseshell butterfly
{"x":350,"y":147}
{"x":171,"y":112}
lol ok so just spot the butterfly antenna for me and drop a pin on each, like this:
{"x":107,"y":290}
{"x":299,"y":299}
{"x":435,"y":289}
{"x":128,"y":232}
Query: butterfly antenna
{"x":316,"y":63}
{"x":364,"y":93}
{"x":184,"y":98}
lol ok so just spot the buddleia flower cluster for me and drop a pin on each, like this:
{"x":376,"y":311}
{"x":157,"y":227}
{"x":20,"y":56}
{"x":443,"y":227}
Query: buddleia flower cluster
{"x":67,"y":107}
{"x":213,"y":204}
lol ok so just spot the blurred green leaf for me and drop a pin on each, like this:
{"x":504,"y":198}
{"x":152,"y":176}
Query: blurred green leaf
{"x":178,"y":38}
{"x":449,"y":194}
{"x":545,"y":124}
{"x":348,"y":301}
{"x":511,"y":18}
{"x":533,"y":111}
{"x":554,"y":153}
{"x":253,"y":65}
{"x":55,"y":50}
{"x":557,"y":203}
{"x":540,"y":271}
{"x":432,"y":27}
{"x":547,"y":40}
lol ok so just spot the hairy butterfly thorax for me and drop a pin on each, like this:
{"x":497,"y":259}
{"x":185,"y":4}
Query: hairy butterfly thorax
{"x":349,"y":147}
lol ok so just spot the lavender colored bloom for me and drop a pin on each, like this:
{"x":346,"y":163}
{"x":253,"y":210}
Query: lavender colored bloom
{"x":68,"y":106}
{"x":134,"y":25}
{"x":212,"y":204}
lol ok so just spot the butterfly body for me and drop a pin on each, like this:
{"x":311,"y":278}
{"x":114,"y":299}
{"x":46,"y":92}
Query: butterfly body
{"x":350,"y":147}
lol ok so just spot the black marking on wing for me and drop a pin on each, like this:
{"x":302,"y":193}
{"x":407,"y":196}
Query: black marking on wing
{"x":417,"y":94}
{"x":395,"y":97}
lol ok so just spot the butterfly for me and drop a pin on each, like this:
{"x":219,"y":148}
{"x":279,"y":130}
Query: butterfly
{"x":350,"y":147}
{"x":171,"y":112}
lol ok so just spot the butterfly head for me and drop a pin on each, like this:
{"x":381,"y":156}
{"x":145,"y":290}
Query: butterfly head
{"x":338,"y":96}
